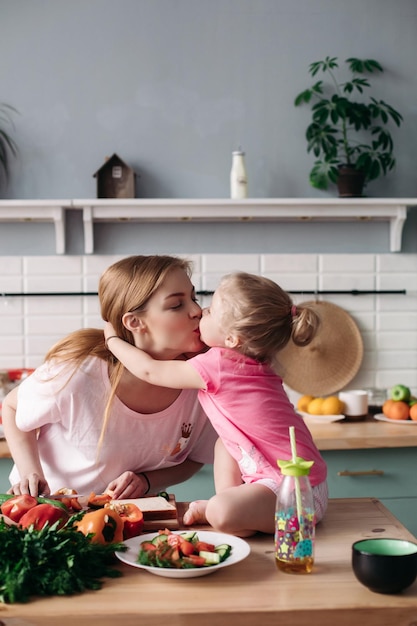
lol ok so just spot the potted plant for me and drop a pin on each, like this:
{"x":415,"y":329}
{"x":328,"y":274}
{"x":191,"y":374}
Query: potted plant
{"x":348,"y":137}
{"x":7,"y":143}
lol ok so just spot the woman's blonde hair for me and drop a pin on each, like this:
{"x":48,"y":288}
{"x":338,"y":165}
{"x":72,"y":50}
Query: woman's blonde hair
{"x":263,"y":317}
{"x":125,"y":286}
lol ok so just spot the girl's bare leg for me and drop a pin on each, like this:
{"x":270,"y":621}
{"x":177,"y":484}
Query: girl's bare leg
{"x":243,"y":510}
{"x":226,"y":474}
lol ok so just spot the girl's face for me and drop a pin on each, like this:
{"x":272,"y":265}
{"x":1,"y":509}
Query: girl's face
{"x":211,"y":323}
{"x":170,"y":323}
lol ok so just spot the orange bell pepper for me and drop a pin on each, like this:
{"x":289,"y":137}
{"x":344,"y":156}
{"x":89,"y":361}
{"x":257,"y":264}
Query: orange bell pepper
{"x":104,"y":525}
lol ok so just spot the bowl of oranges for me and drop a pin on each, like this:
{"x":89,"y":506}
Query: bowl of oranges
{"x":321,"y":409}
{"x":400,"y":407}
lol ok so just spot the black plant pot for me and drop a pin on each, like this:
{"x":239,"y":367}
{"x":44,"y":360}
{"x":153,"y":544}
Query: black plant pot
{"x":350,"y":182}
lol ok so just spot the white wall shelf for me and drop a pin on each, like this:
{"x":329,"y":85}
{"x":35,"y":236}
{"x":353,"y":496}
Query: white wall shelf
{"x":38,"y":211}
{"x":391,"y":210}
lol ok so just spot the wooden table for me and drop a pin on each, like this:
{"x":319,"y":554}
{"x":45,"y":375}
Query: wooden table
{"x":251,"y":593}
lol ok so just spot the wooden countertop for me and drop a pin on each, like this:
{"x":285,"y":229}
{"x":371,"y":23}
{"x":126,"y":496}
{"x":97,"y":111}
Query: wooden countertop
{"x":369,"y":433}
{"x":344,"y":435}
{"x":248,"y":593}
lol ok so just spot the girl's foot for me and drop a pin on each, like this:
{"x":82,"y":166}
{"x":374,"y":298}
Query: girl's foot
{"x":196,"y":513}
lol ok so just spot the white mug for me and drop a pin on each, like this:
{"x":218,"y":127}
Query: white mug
{"x":355,"y":401}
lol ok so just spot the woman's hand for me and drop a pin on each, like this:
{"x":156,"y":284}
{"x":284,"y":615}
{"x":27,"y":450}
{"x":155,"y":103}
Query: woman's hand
{"x":128,"y":485}
{"x":33,"y":484}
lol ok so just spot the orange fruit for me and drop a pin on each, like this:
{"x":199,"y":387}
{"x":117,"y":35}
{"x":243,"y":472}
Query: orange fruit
{"x":303,"y":403}
{"x":314,"y":407}
{"x":386,"y":406}
{"x":396,"y":409}
{"x":332,"y":406}
{"x":413,"y":412}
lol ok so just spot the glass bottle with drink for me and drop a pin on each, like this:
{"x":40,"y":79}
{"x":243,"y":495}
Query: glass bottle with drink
{"x":295,"y":518}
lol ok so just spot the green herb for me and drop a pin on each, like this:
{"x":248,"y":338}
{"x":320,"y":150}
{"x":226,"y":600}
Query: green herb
{"x":51,"y":562}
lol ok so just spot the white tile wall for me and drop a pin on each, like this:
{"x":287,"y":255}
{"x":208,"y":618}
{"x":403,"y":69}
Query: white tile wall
{"x":29,"y":326}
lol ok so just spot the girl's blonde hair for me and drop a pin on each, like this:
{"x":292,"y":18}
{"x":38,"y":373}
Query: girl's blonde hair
{"x":263,"y":316}
{"x":125,"y":286}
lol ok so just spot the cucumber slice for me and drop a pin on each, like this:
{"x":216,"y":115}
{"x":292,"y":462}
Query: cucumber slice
{"x":223,"y":550}
{"x":159,"y":539}
{"x":190,"y":536}
{"x":211,"y":558}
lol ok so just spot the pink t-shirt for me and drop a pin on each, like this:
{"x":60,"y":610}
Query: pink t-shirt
{"x":247,"y":405}
{"x":69,"y":415}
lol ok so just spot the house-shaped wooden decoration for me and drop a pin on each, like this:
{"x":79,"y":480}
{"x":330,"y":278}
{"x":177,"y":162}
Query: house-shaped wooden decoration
{"x":115,"y":179}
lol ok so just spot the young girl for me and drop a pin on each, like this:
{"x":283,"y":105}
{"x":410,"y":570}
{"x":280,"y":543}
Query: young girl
{"x":249,"y":321}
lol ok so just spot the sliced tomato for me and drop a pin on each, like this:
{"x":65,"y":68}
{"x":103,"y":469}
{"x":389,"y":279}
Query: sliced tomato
{"x":202,"y":546}
{"x":195,"y":560}
{"x":187,"y":548}
{"x":14,"y":508}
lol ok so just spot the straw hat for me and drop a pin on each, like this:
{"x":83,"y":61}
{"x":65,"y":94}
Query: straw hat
{"x":331,"y":360}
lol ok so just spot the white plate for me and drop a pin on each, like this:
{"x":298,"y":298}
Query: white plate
{"x":383,"y":418}
{"x":323,"y":419}
{"x":240,"y":550}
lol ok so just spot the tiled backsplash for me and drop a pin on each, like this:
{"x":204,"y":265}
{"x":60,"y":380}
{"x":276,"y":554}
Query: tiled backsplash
{"x":388,"y":323}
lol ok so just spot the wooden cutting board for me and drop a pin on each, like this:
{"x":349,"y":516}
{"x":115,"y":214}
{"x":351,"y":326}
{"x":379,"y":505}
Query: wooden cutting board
{"x":158,"y":513}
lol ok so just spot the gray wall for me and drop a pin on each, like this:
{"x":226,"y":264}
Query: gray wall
{"x":173,"y":86}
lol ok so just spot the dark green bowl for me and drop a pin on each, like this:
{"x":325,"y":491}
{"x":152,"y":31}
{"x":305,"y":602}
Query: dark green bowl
{"x":385,"y":565}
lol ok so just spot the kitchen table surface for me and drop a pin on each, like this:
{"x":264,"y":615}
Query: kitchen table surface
{"x":247,"y":593}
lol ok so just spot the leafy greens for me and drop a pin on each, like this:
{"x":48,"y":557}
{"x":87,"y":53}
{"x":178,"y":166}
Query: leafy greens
{"x":51,"y":562}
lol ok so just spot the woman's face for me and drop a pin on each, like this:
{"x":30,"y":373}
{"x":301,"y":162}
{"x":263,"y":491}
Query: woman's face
{"x":170,"y":323}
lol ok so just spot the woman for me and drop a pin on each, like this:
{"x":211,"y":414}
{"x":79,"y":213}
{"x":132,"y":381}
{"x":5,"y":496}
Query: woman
{"x":82,"y":421}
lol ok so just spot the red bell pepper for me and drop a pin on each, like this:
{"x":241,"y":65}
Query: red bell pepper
{"x":14,"y":508}
{"x":42,"y":514}
{"x":132,"y":518}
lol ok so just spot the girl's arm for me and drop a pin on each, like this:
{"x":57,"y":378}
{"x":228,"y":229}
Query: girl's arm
{"x":171,"y":374}
{"x":24,"y":450}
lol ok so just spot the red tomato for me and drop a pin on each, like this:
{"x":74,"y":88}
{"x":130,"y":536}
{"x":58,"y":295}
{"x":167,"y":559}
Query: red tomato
{"x":132,"y":518}
{"x":202,"y":546}
{"x":15,"y":507}
{"x":186,"y":547}
{"x":194,"y":559}
{"x":43,"y":514}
